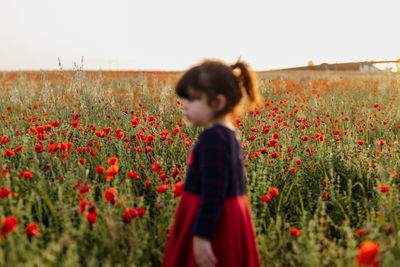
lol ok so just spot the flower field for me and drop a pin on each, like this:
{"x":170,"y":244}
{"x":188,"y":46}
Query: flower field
{"x":92,"y":165}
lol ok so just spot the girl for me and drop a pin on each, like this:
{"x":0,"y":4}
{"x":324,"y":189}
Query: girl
{"x":213,"y":225}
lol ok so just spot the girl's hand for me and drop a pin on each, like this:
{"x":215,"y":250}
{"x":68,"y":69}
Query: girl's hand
{"x":203,"y":253}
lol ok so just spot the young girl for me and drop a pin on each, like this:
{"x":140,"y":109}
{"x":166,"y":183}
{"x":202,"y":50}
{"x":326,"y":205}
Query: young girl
{"x":212,"y":224}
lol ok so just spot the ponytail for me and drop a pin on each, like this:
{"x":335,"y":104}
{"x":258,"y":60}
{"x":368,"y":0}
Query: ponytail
{"x":247,"y":81}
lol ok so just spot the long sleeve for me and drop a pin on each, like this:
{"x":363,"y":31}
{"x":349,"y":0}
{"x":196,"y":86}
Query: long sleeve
{"x":213,"y":163}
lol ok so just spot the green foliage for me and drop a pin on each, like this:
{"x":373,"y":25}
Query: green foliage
{"x":295,"y":106}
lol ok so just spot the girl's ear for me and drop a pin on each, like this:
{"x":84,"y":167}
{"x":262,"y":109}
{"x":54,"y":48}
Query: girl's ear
{"x":219,"y":102}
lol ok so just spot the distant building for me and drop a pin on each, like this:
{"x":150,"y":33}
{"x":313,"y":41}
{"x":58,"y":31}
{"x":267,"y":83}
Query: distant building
{"x":350,"y":66}
{"x":368,"y":67}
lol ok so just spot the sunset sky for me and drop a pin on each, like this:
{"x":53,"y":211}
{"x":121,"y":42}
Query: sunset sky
{"x":173,"y":35}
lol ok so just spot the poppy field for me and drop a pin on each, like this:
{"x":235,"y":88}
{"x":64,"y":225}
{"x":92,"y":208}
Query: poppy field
{"x":92,"y":165}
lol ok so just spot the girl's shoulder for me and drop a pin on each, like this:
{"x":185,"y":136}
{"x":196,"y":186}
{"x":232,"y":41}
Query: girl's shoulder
{"x":219,"y":135}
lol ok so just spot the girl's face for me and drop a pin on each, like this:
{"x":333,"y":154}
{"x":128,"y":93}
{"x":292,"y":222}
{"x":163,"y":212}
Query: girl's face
{"x":197,"y":111}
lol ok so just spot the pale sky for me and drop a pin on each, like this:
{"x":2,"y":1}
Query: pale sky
{"x":174,"y":35}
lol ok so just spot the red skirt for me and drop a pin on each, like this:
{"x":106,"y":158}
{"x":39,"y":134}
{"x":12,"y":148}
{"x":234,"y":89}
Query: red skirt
{"x":234,"y":242}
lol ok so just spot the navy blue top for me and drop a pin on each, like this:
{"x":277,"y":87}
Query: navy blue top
{"x":215,"y":173}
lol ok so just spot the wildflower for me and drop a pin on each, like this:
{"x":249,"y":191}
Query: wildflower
{"x":162,"y":188}
{"x":32,"y":230}
{"x":111,"y":172}
{"x":362,"y":232}
{"x":384,"y":188}
{"x":8,"y":224}
{"x":367,"y":254}
{"x":325,"y":195}
{"x":9,"y":152}
{"x":360,"y":142}
{"x":25,"y":174}
{"x":147,"y":183}
{"x":149,"y":139}
{"x":274,"y":191}
{"x":3,"y":140}
{"x":304,"y":138}
{"x":91,"y":216}
{"x":83,"y":204}
{"x":294,"y":231}
{"x":178,"y":189}
{"x":100,"y":169}
{"x":275,"y":155}
{"x":39,"y":148}
{"x":292,"y":169}
{"x":130,"y":214}
{"x":112,"y":161}
{"x":84,"y":189}
{"x":4,"y":192}
{"x":99,"y":134}
{"x":109,"y":195}
{"x":133,"y":175}
{"x":82,"y":161}
{"x":381,"y":142}
{"x":162,"y":176}
{"x":156,"y":166}
{"x":298,"y":161}
{"x":55,"y":124}
{"x":266,"y":198}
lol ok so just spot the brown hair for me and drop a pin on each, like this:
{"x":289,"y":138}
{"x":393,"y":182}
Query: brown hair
{"x":213,"y":77}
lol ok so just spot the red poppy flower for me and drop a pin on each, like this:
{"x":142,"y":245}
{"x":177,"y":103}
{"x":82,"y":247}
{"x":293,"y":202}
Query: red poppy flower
{"x":111,"y":172}
{"x":4,"y":192}
{"x":91,"y":216}
{"x":25,"y":174}
{"x":99,"y":134}
{"x":3,"y":140}
{"x":100,"y":169}
{"x":149,"y":139}
{"x":178,"y":188}
{"x":9,"y":153}
{"x":133,"y":175}
{"x":32,"y":230}
{"x":112,"y":161}
{"x":55,"y":124}
{"x":384,"y":188}
{"x":275,"y":155}
{"x":274,"y":191}
{"x":294,"y":231}
{"x":156,"y":166}
{"x":83,"y":205}
{"x":130,"y":214}
{"x":162,"y":188}
{"x":109,"y":195}
{"x":84,"y":189}
{"x":18,"y":148}
{"x":140,"y":210}
{"x":106,"y":130}
{"x":367,"y":253}
{"x":8,"y":224}
{"x":266,"y":198}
